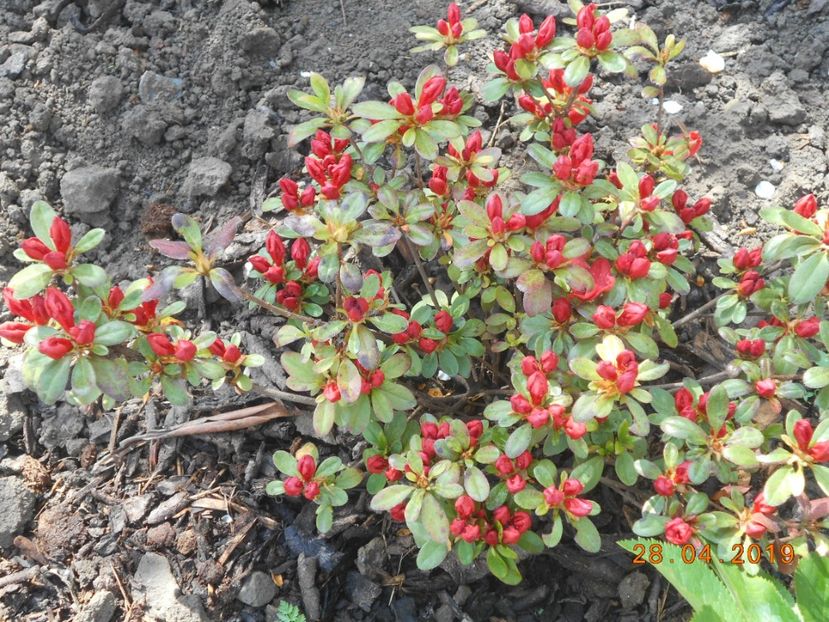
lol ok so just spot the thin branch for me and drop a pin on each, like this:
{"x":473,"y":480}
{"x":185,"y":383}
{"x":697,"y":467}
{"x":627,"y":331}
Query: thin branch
{"x":277,"y":310}
{"x":276,"y":394}
{"x":697,"y":312}
{"x":416,"y":256}
{"x":705,"y":380}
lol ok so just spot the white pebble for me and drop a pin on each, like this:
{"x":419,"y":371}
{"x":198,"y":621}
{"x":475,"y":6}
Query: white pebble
{"x":671,"y":107}
{"x":765,"y":190}
{"x":776,"y":165}
{"x":712,"y":62}
{"x":443,"y":376}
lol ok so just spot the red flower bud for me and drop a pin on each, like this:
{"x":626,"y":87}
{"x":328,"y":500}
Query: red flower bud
{"x":424,"y":115}
{"x":502,"y":514}
{"x":61,"y":234}
{"x":537,"y":387}
{"x":504,"y":465}
{"x":312,"y":491}
{"x":546,"y":32}
{"x":464,"y":506}
{"x":185,"y":350}
{"x":820,"y":451}
{"x":393,"y":474}
{"x":34,"y":248}
{"x":355,"y":308}
{"x":562,"y":310}
{"x":443,"y":321}
{"x":160,"y":344}
{"x":331,"y":392}
{"x":807,"y":328}
{"x":677,"y":531}
{"x":802,"y":433}
{"x":275,"y":247}
{"x":293,"y":487}
{"x":427,"y":345}
{"x":575,"y":429}
{"x":59,"y":307}
{"x":475,"y":428}
{"x":300,"y":251}
{"x":664,"y":486}
{"x":520,"y":404}
{"x":604,"y":317}
{"x":259,"y":263}
{"x":549,"y":362}
{"x":766,"y":388}
{"x":578,"y":507}
{"x":750,"y":283}
{"x":306,"y":466}
{"x":83,"y":333}
{"x":646,"y":186}
{"x":14,"y":331}
{"x":528,"y":365}
{"x":55,"y":347}
{"x":806,"y":206}
{"x":432,"y":89}
{"x":377,"y":464}
{"x":633,"y":313}
{"x":55,"y":260}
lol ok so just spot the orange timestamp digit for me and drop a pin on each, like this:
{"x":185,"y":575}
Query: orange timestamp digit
{"x":753,"y":553}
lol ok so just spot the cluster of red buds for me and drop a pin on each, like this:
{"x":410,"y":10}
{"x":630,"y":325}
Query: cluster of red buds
{"x":473,"y":525}
{"x":514,"y":471}
{"x":647,"y":200}
{"x":757,"y":526}
{"x":766,"y":388}
{"x":745,"y":259}
{"x":665,"y":248}
{"x":465,"y":157}
{"x":59,"y":308}
{"x":356,"y":308}
{"x":577,"y":169}
{"x":751,"y":348}
{"x":144,"y":316}
{"x":305,"y":484}
{"x":622,"y":372}
{"x":33,"y":310}
{"x":665,"y":485}
{"x":183,"y":350}
{"x":593,"y":34}
{"x":57,"y":258}
{"x":292,"y":199}
{"x":380,"y":464}
{"x":750,"y":283}
{"x":529,"y":45}
{"x":328,"y":165}
{"x":634,"y":262}
{"x":806,"y":206}
{"x":228,"y":352}
{"x":565,"y":496}
{"x":421,"y":112}
{"x":807,"y":328}
{"x":697,"y":409}
{"x":274,"y":271}
{"x":679,"y":530}
{"x":802,"y":432}
{"x":689,"y":212}
{"x":536,"y":372}
{"x":632,"y":314}
{"x":495,"y":211}
{"x":550,"y":253}
{"x":451,"y":27}
{"x":412,"y":332}
{"x":579,"y":104}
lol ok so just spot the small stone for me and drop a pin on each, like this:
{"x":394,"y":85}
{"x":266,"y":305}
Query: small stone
{"x":256,"y":135}
{"x":765,"y":190}
{"x":733,"y":38}
{"x":671,"y":107}
{"x":14,"y":65}
{"x":207,"y":176}
{"x":787,"y":110}
{"x":155,"y":581}
{"x":712,"y":62}
{"x":632,"y":589}
{"x":145,"y":125}
{"x":153,"y":88}
{"x":261,"y":42}
{"x":371,"y":556}
{"x":257,"y":590}
{"x":105,"y":93}
{"x":17,"y":505}
{"x":361,"y":591}
{"x":100,"y":608}
{"x":89,"y":190}
{"x":136,"y":507}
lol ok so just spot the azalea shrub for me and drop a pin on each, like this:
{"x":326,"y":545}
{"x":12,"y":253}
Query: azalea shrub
{"x":530,"y":365}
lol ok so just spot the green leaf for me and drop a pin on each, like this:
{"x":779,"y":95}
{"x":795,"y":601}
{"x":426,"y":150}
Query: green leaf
{"x":518,"y":441}
{"x":84,"y":388}
{"x":431,"y":555}
{"x":495,"y":89}
{"x":809,"y":278}
{"x":375,"y":110}
{"x":576,"y":71}
{"x":113,"y":333}
{"x":40,"y":218}
{"x":810,"y":580}
{"x":680,"y":427}
{"x":89,"y":275}
{"x":587,"y":536}
{"x":30,"y":280}
{"x":476,"y":483}
{"x":380,"y":131}
{"x":612,"y":62}
{"x":389,"y":497}
{"x":348,"y":478}
{"x":434,"y":519}
{"x":51,"y":382}
{"x":285,"y":462}
{"x":111,"y":376}
{"x":425,"y":145}
{"x":349,"y":381}
{"x":529,"y":498}
{"x":90,"y":240}
{"x":300,"y":132}
{"x":779,"y":486}
{"x":816,"y":377}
